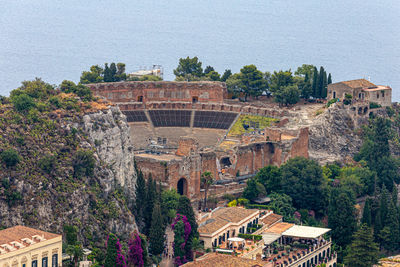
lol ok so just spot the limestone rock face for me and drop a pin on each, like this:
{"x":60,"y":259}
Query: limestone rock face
{"x":333,"y":135}
{"x":108,"y":132}
{"x":49,"y":199}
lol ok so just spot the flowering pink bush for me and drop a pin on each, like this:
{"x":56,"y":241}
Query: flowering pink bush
{"x":135,"y":254}
{"x":182,"y":229}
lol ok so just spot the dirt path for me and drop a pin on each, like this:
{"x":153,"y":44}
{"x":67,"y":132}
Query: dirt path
{"x":168,"y":260}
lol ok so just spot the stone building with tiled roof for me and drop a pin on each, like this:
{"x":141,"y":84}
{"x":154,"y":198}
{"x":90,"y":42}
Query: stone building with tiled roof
{"x":28,"y":247}
{"x":219,"y":225}
{"x":361,"y":90}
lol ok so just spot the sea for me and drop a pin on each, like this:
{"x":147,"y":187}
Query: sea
{"x":58,"y":39}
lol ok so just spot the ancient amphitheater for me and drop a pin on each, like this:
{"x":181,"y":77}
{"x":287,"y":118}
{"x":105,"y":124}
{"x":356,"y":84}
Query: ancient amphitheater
{"x":182,"y":129}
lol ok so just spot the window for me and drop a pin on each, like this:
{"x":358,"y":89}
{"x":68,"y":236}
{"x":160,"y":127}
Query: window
{"x":44,"y":262}
{"x":377,"y":95}
{"x":54,"y":260}
{"x":383,"y":94}
{"x":34,"y":263}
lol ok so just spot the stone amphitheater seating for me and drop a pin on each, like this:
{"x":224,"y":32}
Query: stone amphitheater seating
{"x":135,"y":115}
{"x":170,"y":118}
{"x":212,"y":119}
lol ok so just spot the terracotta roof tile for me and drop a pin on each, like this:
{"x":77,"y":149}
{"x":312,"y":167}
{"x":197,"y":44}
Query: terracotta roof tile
{"x":222,"y":217}
{"x":360,"y":83}
{"x":221,"y":260}
{"x":272,"y":219}
{"x":19,"y":232}
{"x":279,"y":228}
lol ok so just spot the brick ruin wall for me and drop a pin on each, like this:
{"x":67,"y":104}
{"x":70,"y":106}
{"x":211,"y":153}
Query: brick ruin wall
{"x":246,"y":159}
{"x":146,"y":91}
{"x":170,"y":172}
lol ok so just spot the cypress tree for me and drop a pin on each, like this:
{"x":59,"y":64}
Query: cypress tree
{"x":392,"y":223}
{"x":341,"y":215}
{"x":150,"y":199}
{"x":377,"y":225}
{"x":306,"y":77}
{"x":156,"y":236}
{"x":384,"y":203}
{"x":366,"y":218}
{"x":315,"y":83}
{"x":363,"y":251}
{"x":329,"y":79}
{"x":113,"y":72}
{"x":320,"y":83}
{"x":107,"y":73}
{"x":394,"y":195}
{"x":140,"y":200}
{"x":324,"y":85}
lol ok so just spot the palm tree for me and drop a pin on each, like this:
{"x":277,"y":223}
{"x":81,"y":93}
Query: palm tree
{"x":76,"y":252}
{"x":207,"y":180}
{"x":196,"y":245}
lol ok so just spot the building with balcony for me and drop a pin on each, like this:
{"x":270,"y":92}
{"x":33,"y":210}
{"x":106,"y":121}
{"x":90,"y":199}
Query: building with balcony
{"x":261,"y":235}
{"x":216,"y":227}
{"x":297,"y":246}
{"x":27,"y":247}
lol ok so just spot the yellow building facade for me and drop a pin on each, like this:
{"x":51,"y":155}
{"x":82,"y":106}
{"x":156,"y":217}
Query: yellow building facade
{"x":22,"y":246}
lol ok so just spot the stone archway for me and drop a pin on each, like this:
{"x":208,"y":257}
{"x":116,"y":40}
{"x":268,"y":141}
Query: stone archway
{"x":182,"y":186}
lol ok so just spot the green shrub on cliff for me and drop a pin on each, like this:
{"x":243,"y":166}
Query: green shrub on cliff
{"x":23,"y":103}
{"x":10,"y":157}
{"x":83,"y":163}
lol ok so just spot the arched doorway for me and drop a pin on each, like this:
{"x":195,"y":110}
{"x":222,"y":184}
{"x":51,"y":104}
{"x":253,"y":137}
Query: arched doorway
{"x":181,"y":187}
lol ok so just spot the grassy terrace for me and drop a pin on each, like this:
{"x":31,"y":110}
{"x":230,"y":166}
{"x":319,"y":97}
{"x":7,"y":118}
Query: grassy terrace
{"x":250,"y":120}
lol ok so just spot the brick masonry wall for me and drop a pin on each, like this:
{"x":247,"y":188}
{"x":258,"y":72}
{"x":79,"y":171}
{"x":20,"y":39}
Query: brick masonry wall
{"x":160,"y":91}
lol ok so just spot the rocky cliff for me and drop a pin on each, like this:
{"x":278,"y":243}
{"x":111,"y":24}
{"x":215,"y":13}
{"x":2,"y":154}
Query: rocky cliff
{"x":108,"y":132}
{"x":74,"y":165}
{"x":335,"y":134}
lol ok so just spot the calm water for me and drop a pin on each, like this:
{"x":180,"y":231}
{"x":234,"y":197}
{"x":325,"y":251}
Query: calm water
{"x":56,"y":39}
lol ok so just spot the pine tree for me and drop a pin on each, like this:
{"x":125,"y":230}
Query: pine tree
{"x":185,"y":208}
{"x":329,"y":79}
{"x":226,"y":75}
{"x":156,"y":236}
{"x":114,"y":257}
{"x":315,"y":83}
{"x":366,"y":218}
{"x":113,"y":72}
{"x":107,"y":73}
{"x":363,"y":251}
{"x":140,"y":200}
{"x":149,"y":204}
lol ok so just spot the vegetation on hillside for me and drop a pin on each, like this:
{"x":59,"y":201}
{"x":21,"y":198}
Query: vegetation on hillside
{"x":304,"y":192}
{"x":286,"y":88}
{"x":249,"y":123}
{"x":48,"y":178}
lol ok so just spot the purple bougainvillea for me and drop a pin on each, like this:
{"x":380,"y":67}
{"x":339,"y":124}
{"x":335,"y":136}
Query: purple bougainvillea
{"x":182,"y":229}
{"x":120,"y":261}
{"x":135,"y":254}
{"x":114,"y":256}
